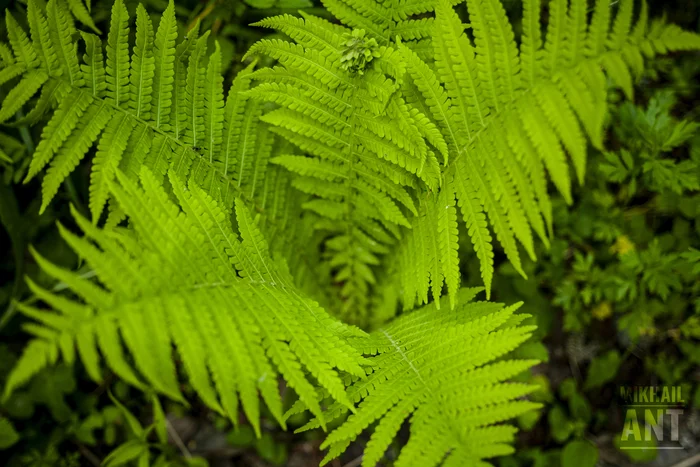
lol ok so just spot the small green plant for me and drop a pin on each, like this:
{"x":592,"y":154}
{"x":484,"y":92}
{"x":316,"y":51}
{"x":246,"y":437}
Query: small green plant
{"x":622,"y":273}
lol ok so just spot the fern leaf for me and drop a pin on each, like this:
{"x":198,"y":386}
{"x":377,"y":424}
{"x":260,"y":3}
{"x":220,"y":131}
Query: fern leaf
{"x":621,"y":25}
{"x":564,"y":122}
{"x":497,"y":59}
{"x":577,"y":26}
{"x":117,"y":69}
{"x":42,"y":38}
{"x":585,"y":104}
{"x":414,"y":29}
{"x":142,"y":66}
{"x":21,"y":46}
{"x":454,"y":60}
{"x":194,"y":94}
{"x":619,"y":73}
{"x":504,"y":191}
{"x":178,"y":112}
{"x":20,"y":94}
{"x":309,"y":104}
{"x":94,"y":119}
{"x":93,"y":68}
{"x":477,"y":228}
{"x":81,"y":13}
{"x":555,"y":43}
{"x":529,"y":182}
{"x":61,"y":30}
{"x":235,"y":137}
{"x":435,"y":96}
{"x":548,"y":147}
{"x":57,"y":131}
{"x":357,"y":132}
{"x":531,"y":41}
{"x":322,"y":36}
{"x":109,"y":153}
{"x":164,"y":61}
{"x":493,"y":209}
{"x":312,"y":167}
{"x":10,"y":72}
{"x":447,"y":231}
{"x":214,"y":105}
{"x":243,"y":163}
{"x":355,"y":18}
{"x":171,"y":104}
{"x":310,"y":62}
{"x":35,"y":357}
{"x":598,"y":30}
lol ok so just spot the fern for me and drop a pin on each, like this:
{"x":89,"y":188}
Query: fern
{"x":158,"y":105}
{"x":358,"y":152}
{"x":502,"y":116}
{"x":221,"y":295}
{"x":161,"y":106}
{"x":182,"y":277}
{"x":438,"y":368}
{"x":366,"y":144}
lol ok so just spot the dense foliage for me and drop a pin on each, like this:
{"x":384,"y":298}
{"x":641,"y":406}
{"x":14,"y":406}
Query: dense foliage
{"x":217,"y":232}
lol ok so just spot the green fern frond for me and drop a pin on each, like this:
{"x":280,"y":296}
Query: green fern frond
{"x":232,"y":310}
{"x":505,"y":115}
{"x":367,"y":145}
{"x":443,"y":369}
{"x":158,"y":105}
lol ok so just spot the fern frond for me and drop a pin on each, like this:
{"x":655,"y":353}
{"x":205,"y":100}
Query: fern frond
{"x":444,"y":370}
{"x":168,"y":99}
{"x":231,"y":309}
{"x":543,"y":97}
{"x":367,"y":147}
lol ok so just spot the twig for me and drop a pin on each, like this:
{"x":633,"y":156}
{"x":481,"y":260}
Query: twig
{"x":178,"y":441}
{"x":354,"y":463}
{"x":206,"y":12}
{"x":73,"y":194}
{"x":94,"y":460}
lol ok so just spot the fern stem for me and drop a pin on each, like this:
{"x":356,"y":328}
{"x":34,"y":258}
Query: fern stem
{"x":74,"y":196}
{"x":25,"y":134}
{"x":178,"y":441}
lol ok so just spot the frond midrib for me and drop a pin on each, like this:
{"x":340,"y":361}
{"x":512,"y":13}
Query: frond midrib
{"x":170,"y":138}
